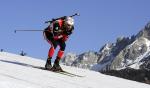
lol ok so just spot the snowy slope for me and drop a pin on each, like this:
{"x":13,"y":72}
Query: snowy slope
{"x":15,"y":72}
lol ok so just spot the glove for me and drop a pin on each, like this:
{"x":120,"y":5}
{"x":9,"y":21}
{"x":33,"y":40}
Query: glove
{"x":65,"y":38}
{"x":58,"y":37}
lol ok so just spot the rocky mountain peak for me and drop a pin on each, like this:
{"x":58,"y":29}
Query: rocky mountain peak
{"x":145,"y":32}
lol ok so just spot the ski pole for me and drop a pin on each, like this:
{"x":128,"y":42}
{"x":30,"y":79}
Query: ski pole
{"x":27,"y":30}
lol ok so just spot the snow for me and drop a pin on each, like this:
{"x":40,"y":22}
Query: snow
{"x":16,"y":72}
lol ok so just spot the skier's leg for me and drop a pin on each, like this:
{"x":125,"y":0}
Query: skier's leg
{"x":56,"y":66}
{"x":48,"y":64}
{"x":59,"y":56}
{"x":61,"y":50}
{"x":51,"y":52}
{"x":53,"y":44}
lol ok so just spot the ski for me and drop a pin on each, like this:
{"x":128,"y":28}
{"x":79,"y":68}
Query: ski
{"x":60,"y":72}
{"x":43,"y":68}
{"x":64,"y":73}
{"x":71,"y":74}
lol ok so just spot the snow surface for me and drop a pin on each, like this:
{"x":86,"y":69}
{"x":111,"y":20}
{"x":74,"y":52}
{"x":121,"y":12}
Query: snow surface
{"x":16,"y":72}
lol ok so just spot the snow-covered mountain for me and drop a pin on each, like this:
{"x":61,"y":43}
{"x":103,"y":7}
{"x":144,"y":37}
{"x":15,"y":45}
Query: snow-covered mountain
{"x":17,"y":72}
{"x":126,"y":52}
{"x":85,"y":60}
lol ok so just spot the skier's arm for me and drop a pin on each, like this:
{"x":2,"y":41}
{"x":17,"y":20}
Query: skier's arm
{"x":57,"y":37}
{"x":67,"y":34}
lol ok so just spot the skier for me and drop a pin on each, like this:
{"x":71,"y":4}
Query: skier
{"x":56,"y":34}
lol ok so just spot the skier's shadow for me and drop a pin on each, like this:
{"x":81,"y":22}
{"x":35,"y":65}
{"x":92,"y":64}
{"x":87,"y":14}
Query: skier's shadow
{"x":22,"y":64}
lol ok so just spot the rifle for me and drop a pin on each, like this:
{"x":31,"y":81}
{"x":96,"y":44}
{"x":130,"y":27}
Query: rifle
{"x":50,"y":21}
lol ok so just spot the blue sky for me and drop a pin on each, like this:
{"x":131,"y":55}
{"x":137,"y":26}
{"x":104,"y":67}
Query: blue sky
{"x":100,"y":22}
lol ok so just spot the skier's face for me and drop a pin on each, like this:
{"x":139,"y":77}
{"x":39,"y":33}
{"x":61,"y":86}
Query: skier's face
{"x":68,"y":26}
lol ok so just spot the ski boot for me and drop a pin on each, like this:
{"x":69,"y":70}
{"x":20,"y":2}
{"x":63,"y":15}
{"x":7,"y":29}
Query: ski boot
{"x":56,"y":67}
{"x":48,"y":64}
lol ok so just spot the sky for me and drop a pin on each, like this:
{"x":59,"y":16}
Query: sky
{"x":100,"y":22}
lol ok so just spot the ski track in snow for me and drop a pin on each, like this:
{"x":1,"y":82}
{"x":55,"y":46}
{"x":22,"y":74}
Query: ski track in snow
{"x":18,"y":72}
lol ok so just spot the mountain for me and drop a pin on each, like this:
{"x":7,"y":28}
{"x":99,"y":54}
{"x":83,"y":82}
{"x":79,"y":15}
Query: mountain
{"x":126,"y":52}
{"x":19,"y":72}
{"x":84,"y":60}
{"x":123,"y":55}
